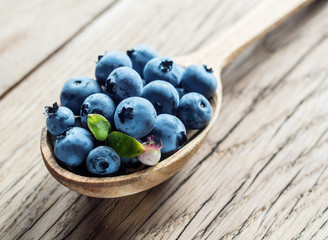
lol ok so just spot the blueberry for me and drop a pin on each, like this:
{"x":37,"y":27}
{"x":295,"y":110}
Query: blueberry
{"x":59,"y":119}
{"x":103,"y":161}
{"x":135,"y":116}
{"x":162,"y":68}
{"x":162,"y":95}
{"x":194,"y":110}
{"x":75,"y":90}
{"x":73,"y":146}
{"x":108,"y":63}
{"x":98,"y":103}
{"x":123,"y":82}
{"x":199,"y":78}
{"x":170,"y":131}
{"x":140,"y":55}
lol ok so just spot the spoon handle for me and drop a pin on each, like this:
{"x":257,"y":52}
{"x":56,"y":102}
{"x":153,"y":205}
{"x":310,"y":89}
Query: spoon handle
{"x":266,"y":16}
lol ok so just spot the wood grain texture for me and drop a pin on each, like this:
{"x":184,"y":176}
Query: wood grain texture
{"x":31,"y":32}
{"x":255,"y":24}
{"x":262,"y":172}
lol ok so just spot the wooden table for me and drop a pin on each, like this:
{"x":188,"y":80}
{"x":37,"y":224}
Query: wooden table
{"x":262,"y":172}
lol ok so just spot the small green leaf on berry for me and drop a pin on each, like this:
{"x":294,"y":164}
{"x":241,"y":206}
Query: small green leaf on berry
{"x":99,"y":126}
{"x":125,"y":145}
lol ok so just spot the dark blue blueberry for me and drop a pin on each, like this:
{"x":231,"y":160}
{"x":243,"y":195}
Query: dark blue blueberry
{"x":199,"y":78}
{"x":59,"y":119}
{"x":162,"y":68}
{"x":98,"y":103}
{"x":122,"y":83}
{"x":108,"y":63}
{"x":103,"y":161}
{"x":140,"y":55}
{"x":73,"y":146}
{"x":75,"y":90}
{"x":194,"y":110}
{"x":135,"y":116}
{"x":170,"y":131}
{"x":162,"y":95}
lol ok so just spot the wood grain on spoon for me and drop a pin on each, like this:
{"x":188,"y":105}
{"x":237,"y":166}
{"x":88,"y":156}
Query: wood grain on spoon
{"x":217,"y":55}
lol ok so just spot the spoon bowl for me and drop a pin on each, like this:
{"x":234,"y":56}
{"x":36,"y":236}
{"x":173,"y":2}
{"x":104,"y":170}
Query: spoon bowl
{"x":118,"y":186}
{"x":217,"y":55}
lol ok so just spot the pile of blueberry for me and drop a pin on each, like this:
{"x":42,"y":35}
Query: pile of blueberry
{"x":145,"y":96}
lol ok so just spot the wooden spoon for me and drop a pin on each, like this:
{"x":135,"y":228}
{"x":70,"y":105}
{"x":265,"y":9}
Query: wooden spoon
{"x":257,"y":23}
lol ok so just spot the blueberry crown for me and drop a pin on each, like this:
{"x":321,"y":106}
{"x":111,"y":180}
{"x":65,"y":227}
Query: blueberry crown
{"x":84,"y":109}
{"x":110,"y":86}
{"x":130,"y":52}
{"x":207,"y":69}
{"x":102,"y":163}
{"x":51,"y":110}
{"x":181,"y":139}
{"x":166,"y":66}
{"x":126,"y":113}
{"x":100,"y":57}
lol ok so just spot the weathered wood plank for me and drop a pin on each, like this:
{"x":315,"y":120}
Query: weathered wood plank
{"x":260,"y":173}
{"x":31,"y":32}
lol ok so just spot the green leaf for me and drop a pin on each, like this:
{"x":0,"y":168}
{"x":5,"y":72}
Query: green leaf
{"x":125,"y":145}
{"x":99,"y":126}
